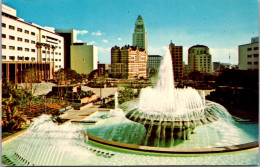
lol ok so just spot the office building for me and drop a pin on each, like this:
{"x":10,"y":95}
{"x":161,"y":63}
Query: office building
{"x":249,"y":55}
{"x":28,"y":46}
{"x":199,"y":59}
{"x":140,"y":36}
{"x":153,"y":64}
{"x":177,"y":61}
{"x":128,"y":62}
{"x":84,"y":58}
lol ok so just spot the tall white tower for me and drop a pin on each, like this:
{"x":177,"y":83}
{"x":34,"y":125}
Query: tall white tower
{"x":140,"y":36}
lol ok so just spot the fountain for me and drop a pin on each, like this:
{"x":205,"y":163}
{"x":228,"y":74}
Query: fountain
{"x":167,"y":111}
{"x":116,"y":111}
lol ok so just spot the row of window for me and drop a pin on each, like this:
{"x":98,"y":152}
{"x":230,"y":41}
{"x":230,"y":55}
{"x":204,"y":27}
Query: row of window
{"x":254,"y":55}
{"x":48,"y":59}
{"x":19,"y":39}
{"x":18,"y":29}
{"x":255,"y":48}
{"x":27,"y":49}
{"x":18,"y":58}
{"x":48,"y":52}
{"x":251,"y":63}
{"x":11,"y":27}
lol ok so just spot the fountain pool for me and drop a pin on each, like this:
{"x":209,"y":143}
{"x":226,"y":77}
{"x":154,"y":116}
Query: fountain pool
{"x":65,"y":145}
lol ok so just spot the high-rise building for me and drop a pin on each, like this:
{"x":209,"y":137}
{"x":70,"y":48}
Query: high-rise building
{"x":28,"y":46}
{"x":153,"y":64}
{"x":128,"y":62}
{"x":140,"y":36}
{"x":199,"y":59}
{"x":84,"y":58}
{"x":249,"y":55}
{"x":70,"y":37}
{"x":177,"y":61}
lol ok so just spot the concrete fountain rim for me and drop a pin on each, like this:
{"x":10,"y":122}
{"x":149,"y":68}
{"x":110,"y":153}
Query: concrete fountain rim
{"x":222,"y":149}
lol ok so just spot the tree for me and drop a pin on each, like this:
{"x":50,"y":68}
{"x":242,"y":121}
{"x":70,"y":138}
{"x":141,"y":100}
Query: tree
{"x":196,"y":75}
{"x":30,"y":80}
{"x":12,"y":117}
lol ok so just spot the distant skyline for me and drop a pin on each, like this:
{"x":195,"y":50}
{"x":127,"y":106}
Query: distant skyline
{"x":221,"y":25}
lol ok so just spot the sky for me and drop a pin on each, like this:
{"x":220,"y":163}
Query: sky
{"x":222,"y":25}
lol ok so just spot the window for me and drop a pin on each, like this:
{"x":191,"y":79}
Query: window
{"x":33,"y":33}
{"x":32,"y":50}
{"x":43,"y":51}
{"x":3,"y":46}
{"x":59,"y":59}
{"x":249,"y":63}
{"x":249,"y":49}
{"x":27,"y":58}
{"x":19,"y":39}
{"x":26,"y":40}
{"x":59,"y":47}
{"x":3,"y":57}
{"x":56,"y":53}
{"x":43,"y":59}
{"x":43,"y":36}
{"x":3,"y":25}
{"x":249,"y":56}
{"x":11,"y":37}
{"x":59,"y":41}
{"x":12,"y":57}
{"x":56,"y":66}
{"x":59,"y":53}
{"x":11,"y":27}
{"x":3,"y":36}
{"x":56,"y":59}
{"x":12,"y":47}
{"x":20,"y":48}
{"x":48,"y":52}
{"x":255,"y":48}
{"x":20,"y":57}
{"x":26,"y":49}
{"x":32,"y":42}
{"x":19,"y":29}
{"x":33,"y":58}
{"x":26,"y":31}
{"x":255,"y":63}
{"x":256,"y":55}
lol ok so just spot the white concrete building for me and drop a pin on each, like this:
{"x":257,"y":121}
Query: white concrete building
{"x":249,"y":55}
{"x":199,"y":59}
{"x":28,"y":45}
{"x":140,"y":36}
{"x":84,"y":58}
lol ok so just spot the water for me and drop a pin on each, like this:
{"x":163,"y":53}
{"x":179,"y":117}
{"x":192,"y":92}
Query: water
{"x":116,"y":111}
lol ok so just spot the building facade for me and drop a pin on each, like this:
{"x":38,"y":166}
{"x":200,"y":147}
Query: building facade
{"x":128,"y":62}
{"x":29,"y":46}
{"x":199,"y":59}
{"x":140,"y":36}
{"x":249,"y":55}
{"x":153,"y":64}
{"x":177,"y":61}
{"x":84,"y":58}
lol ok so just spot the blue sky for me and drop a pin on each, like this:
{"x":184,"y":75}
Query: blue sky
{"x":221,"y":25}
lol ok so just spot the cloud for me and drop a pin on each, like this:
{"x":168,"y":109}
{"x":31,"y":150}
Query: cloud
{"x":79,"y":41}
{"x":91,"y":43}
{"x":119,"y":39}
{"x":105,"y":41}
{"x":157,"y":50}
{"x":81,"y":32}
{"x":98,"y":33}
{"x":106,"y":50}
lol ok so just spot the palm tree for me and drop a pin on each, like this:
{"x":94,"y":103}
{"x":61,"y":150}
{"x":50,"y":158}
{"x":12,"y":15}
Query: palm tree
{"x":53,"y":48}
